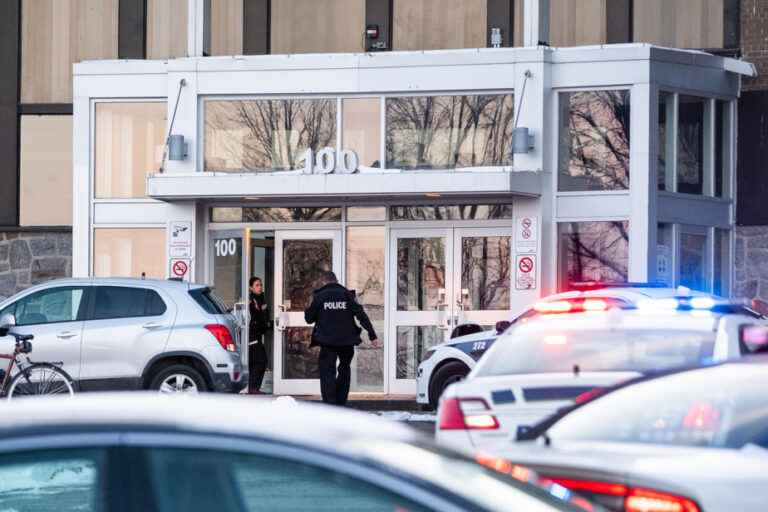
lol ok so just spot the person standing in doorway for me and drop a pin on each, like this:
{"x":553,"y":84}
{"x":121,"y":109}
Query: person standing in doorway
{"x":333,"y":311}
{"x":257,"y":328}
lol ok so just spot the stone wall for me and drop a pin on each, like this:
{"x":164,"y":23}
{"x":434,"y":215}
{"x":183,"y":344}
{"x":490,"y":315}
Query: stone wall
{"x":28,"y":258}
{"x":751,"y":259}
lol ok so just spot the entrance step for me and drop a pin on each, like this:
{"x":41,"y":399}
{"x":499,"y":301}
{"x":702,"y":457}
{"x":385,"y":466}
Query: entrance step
{"x":374,"y":402}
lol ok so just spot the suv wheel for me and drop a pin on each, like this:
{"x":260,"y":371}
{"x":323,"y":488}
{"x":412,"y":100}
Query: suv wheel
{"x":178,"y":378}
{"x":444,"y":377}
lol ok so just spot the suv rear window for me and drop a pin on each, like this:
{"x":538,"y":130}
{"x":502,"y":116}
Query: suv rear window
{"x":208,"y":300}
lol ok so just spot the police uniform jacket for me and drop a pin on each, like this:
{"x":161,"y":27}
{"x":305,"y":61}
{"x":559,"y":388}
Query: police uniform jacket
{"x":333,"y":311}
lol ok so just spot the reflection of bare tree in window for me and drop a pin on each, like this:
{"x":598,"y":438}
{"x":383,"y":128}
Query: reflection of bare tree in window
{"x":690,"y":145}
{"x":266,"y":135}
{"x":453,"y":212}
{"x":442,"y":132}
{"x":421,"y":273}
{"x":304,"y":262}
{"x":485,"y":271}
{"x":594,"y":140}
{"x":595,"y":251}
{"x":310,"y":214}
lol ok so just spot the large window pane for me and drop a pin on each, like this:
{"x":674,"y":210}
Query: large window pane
{"x":317,"y":26}
{"x":304,"y":262}
{"x":594,"y":140}
{"x":440,"y":24}
{"x":690,"y":144}
{"x":299,"y":359}
{"x":452,"y":212}
{"x":681,"y":23}
{"x":226,"y":27}
{"x":129,"y":252}
{"x":129,"y":144}
{"x":593,"y":251}
{"x":362,"y":129}
{"x":366,"y":257}
{"x":54,"y":35}
{"x":665,"y":166}
{"x":445,"y":132}
{"x":693,"y":261}
{"x":420,"y":273}
{"x":46,"y":175}
{"x":577,"y":23}
{"x":266,"y":135}
{"x":485,"y":272}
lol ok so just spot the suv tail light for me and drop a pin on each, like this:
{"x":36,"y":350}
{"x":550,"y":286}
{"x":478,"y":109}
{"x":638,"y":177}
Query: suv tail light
{"x":223,"y":336}
{"x":624,"y":498}
{"x":466,"y":414}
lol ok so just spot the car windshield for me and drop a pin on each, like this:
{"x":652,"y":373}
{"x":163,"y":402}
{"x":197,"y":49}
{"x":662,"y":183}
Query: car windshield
{"x":722,"y":406}
{"x":591,"y":350}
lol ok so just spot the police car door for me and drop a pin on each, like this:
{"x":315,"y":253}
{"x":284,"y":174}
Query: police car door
{"x":300,"y":259}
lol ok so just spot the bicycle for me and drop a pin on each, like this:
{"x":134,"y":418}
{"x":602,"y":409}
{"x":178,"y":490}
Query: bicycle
{"x":32,"y":378}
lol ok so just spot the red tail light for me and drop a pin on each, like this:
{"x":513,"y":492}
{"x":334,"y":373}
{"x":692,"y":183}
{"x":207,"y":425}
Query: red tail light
{"x":223,"y":336}
{"x":466,"y":414}
{"x":589,"y":395}
{"x":635,"y":499}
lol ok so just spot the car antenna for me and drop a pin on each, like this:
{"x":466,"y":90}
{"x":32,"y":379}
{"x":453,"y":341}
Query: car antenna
{"x":576,"y":370}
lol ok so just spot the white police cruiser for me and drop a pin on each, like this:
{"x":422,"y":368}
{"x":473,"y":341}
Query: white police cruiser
{"x":452,"y":360}
{"x":538,"y":367}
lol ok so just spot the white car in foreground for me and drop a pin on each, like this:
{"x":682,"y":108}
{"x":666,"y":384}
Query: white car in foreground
{"x":540,"y":366}
{"x":452,"y":360}
{"x":688,"y":441}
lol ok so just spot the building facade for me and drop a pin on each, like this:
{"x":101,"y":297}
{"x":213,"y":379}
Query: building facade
{"x":310,"y":149}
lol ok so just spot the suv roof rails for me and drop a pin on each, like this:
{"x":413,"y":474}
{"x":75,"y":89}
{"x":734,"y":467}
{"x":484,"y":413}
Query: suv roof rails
{"x":597,"y":285}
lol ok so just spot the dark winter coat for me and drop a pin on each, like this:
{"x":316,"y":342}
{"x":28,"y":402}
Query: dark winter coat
{"x":333,"y":311}
{"x":259,"y":316}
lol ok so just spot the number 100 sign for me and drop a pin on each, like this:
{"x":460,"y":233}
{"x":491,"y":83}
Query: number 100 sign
{"x":329,"y":160}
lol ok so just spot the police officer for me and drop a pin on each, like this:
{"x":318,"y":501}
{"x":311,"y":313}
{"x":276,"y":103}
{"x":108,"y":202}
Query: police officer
{"x":333,"y":311}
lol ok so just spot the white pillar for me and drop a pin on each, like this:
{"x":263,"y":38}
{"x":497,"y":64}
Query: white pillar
{"x":642,"y":183}
{"x":198,"y":27}
{"x":535,"y":22}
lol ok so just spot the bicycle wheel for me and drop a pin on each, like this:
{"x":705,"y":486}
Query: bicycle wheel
{"x":40,"y":379}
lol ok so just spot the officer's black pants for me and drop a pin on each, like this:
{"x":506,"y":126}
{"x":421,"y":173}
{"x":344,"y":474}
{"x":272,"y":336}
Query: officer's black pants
{"x":335,"y":388}
{"x":257,"y":365}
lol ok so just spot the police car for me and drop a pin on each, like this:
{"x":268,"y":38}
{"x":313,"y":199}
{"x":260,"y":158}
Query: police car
{"x":538,"y":367}
{"x":452,"y":360}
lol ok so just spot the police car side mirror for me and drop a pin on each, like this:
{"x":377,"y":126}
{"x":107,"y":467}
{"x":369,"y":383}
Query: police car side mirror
{"x":7,"y":322}
{"x":754,"y":339}
{"x":502,"y":325}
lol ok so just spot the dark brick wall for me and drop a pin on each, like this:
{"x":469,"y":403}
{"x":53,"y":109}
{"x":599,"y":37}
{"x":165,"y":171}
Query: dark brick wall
{"x":28,"y":258}
{"x":754,"y":40}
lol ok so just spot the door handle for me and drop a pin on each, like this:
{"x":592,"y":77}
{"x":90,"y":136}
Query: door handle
{"x":65,"y":335}
{"x":152,"y":325}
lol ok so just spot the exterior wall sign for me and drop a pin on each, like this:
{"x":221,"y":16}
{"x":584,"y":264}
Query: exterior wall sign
{"x":525,"y":272}
{"x":329,"y":160}
{"x":526,"y":235}
{"x":179,"y":268}
{"x":663,"y":264}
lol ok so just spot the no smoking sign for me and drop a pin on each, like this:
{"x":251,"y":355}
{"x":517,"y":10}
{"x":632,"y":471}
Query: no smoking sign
{"x":180,"y":268}
{"x":525,"y":275}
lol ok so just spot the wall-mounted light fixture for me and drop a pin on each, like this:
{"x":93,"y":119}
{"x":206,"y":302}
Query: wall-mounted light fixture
{"x":177,"y":148}
{"x":522,"y":138}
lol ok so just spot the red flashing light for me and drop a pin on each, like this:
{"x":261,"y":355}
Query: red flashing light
{"x":701,"y":416}
{"x":595,"y":305}
{"x":636,"y":499}
{"x":556,"y":306}
{"x":223,"y":336}
{"x":589,"y":395}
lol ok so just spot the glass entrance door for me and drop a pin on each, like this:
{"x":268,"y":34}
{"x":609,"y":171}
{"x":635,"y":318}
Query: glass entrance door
{"x":421,"y":287}
{"x":300,"y":259}
{"x":443,"y":278}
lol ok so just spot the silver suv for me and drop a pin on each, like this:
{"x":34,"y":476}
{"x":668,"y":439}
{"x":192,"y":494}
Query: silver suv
{"x":131,"y":334}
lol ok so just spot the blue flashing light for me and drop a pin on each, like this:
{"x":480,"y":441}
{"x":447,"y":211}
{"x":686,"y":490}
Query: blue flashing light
{"x":702,"y":303}
{"x":560,"y":492}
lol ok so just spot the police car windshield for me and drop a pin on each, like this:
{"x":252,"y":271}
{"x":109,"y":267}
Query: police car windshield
{"x":603,"y":350}
{"x":719,"y":406}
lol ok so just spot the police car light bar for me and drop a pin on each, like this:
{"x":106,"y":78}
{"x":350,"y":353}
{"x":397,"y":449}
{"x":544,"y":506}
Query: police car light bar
{"x":692,"y":304}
